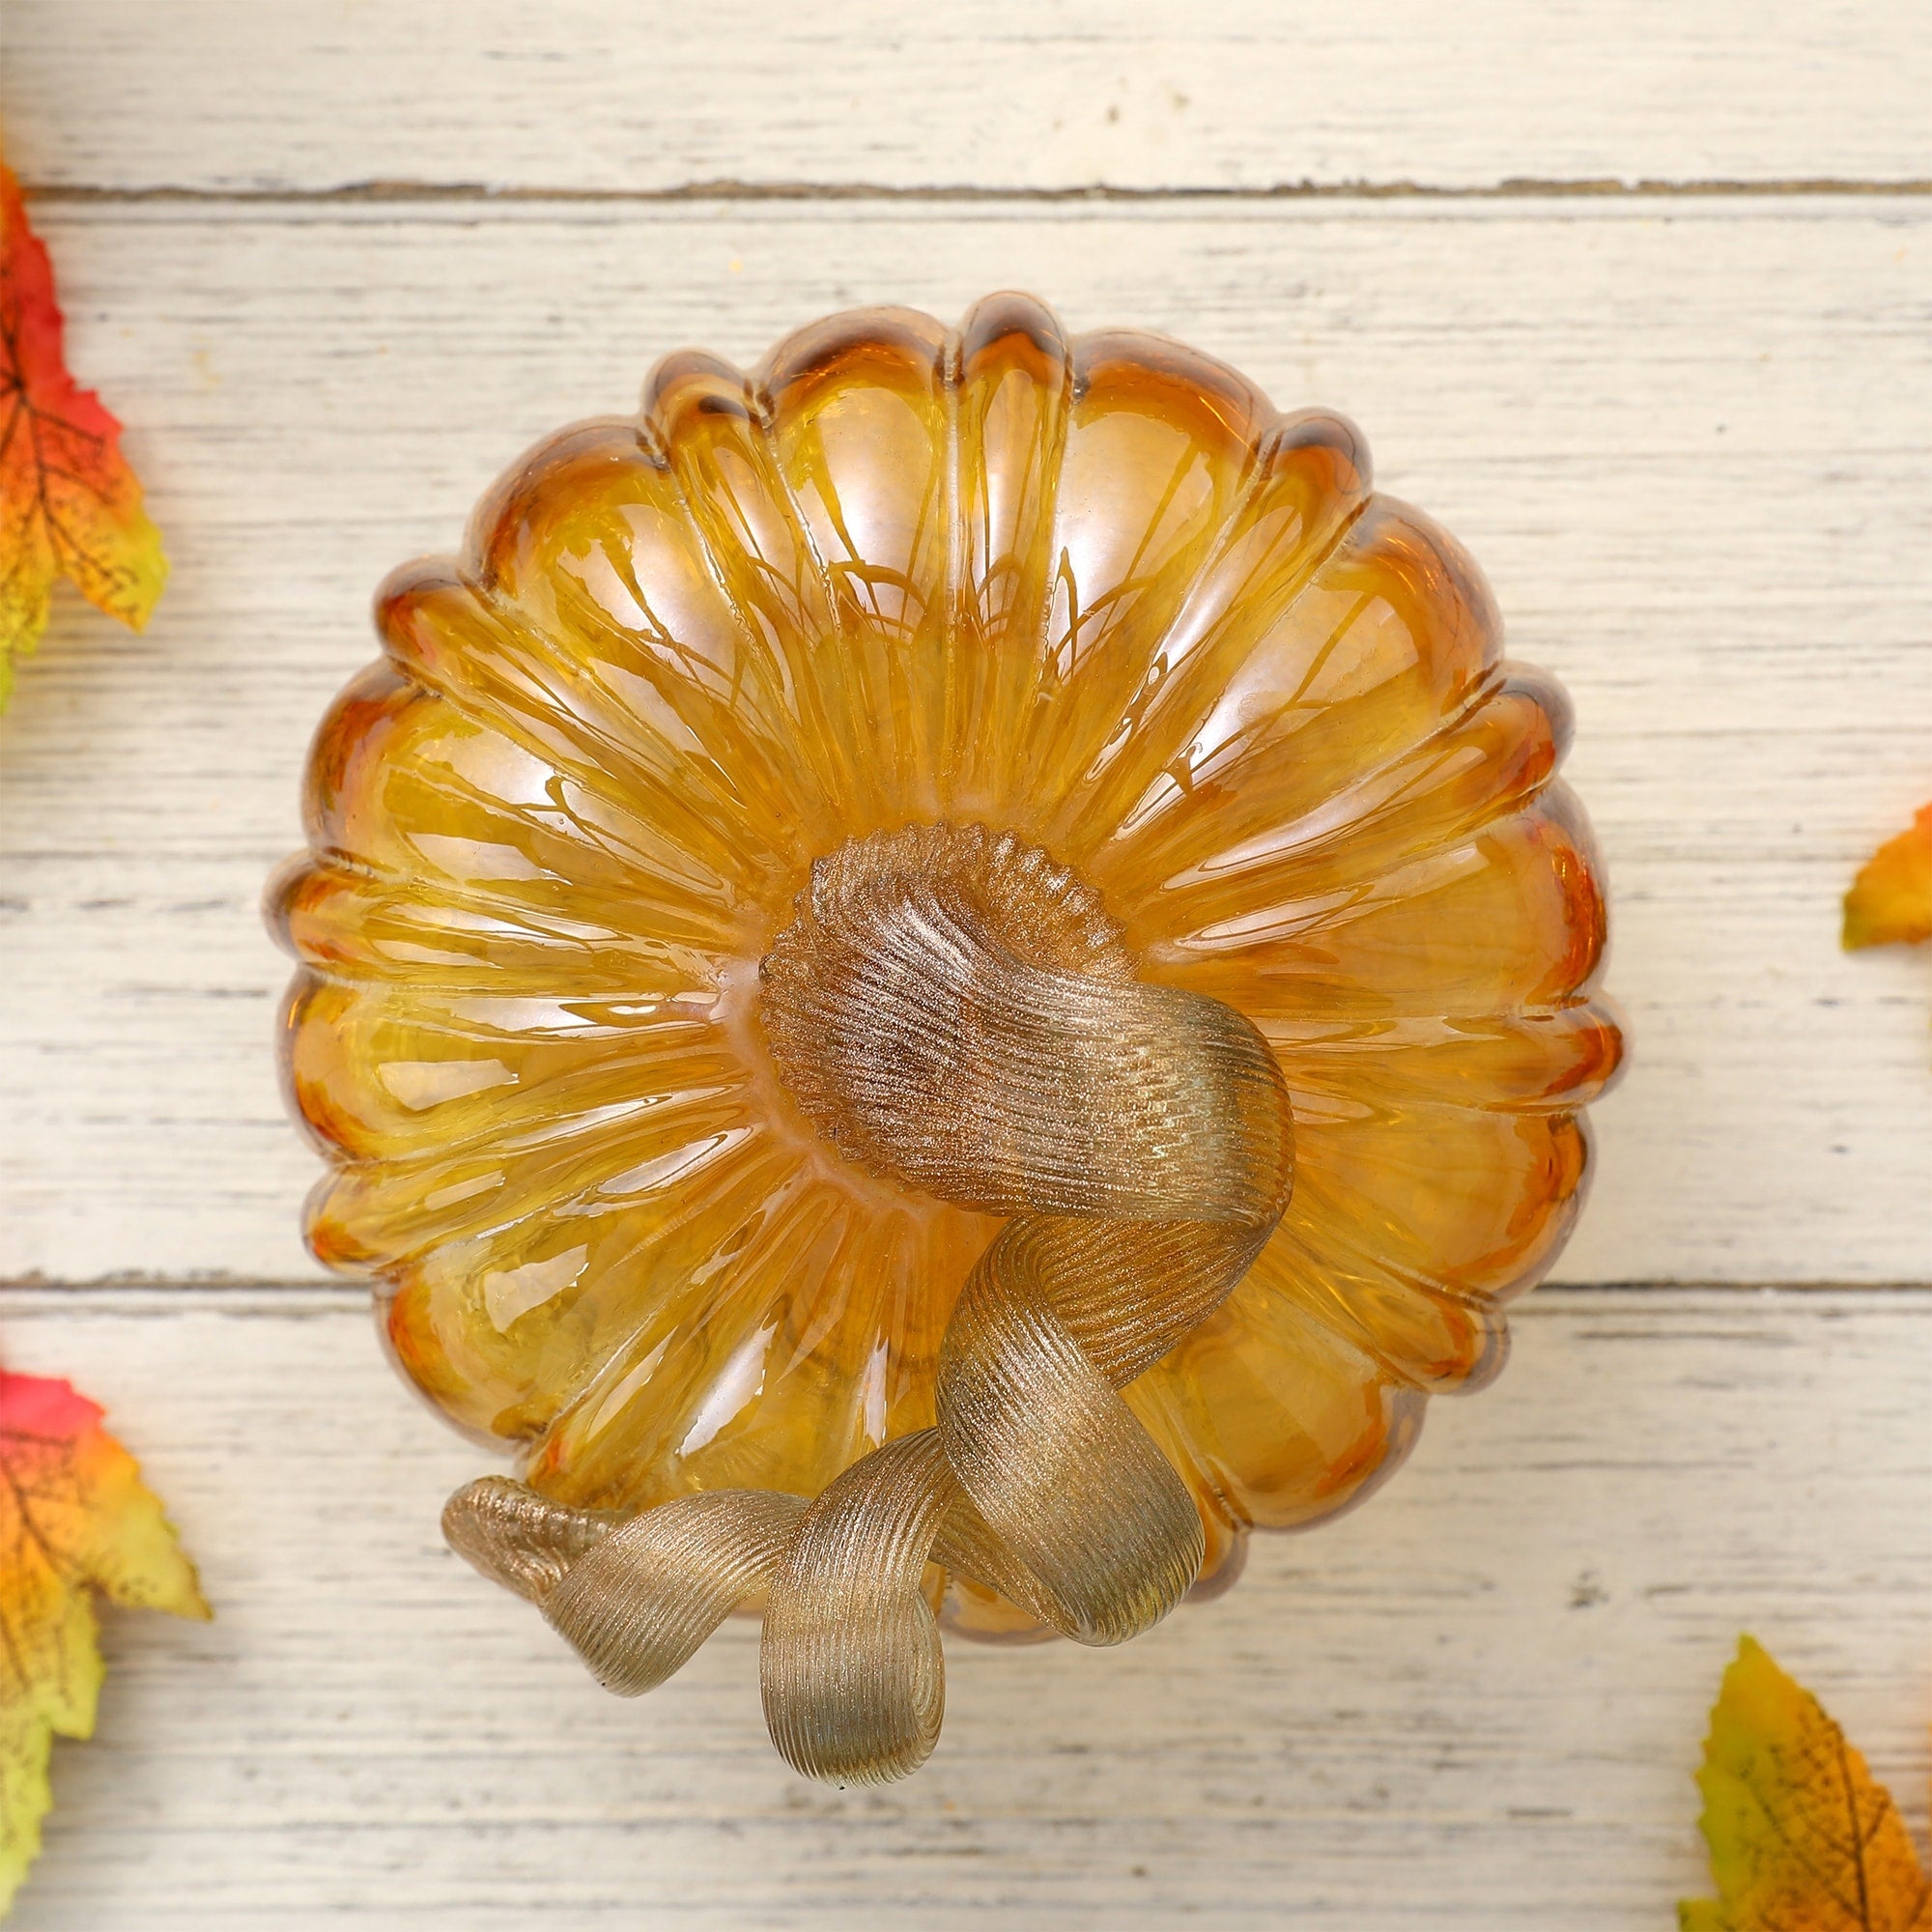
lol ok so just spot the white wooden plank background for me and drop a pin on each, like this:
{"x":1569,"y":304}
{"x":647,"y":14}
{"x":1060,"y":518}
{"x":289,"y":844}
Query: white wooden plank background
{"x":1689,"y":433}
{"x":1708,"y":515}
{"x":1475,"y":1704}
{"x":1001,"y":95}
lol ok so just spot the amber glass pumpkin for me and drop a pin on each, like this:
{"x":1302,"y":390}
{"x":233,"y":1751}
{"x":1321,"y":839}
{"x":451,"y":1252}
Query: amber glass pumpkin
{"x":1091,"y":592}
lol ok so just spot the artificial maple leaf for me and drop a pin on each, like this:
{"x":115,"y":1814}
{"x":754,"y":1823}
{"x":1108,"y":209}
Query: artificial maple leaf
{"x":1802,"y":1838}
{"x":1891,"y":900}
{"x":69,"y":507}
{"x":74,"y":1516}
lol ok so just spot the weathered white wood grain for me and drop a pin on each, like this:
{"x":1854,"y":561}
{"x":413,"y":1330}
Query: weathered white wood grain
{"x":1003,"y":93}
{"x":1692,"y":439}
{"x":1474,"y":1704}
{"x":1693,"y":449}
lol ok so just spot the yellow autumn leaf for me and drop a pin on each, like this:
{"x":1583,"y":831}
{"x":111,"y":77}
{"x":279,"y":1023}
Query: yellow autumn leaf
{"x":1891,"y":900}
{"x":1802,"y":1838}
{"x":74,"y":1518}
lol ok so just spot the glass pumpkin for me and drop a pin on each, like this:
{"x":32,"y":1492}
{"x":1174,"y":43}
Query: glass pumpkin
{"x":1090,"y":591}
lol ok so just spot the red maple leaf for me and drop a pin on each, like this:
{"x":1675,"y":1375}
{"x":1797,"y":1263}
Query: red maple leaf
{"x":70,"y":505}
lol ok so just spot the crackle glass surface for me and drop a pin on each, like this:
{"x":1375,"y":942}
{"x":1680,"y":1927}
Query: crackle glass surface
{"x":1094,"y":591}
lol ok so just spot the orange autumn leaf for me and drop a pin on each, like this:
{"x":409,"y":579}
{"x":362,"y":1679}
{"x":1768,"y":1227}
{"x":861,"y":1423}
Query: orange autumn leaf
{"x":1802,"y":1838}
{"x":74,"y":1518}
{"x":69,"y":507}
{"x":1891,"y":900}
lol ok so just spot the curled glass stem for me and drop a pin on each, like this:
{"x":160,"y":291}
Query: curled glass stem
{"x":958,"y":1014}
